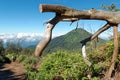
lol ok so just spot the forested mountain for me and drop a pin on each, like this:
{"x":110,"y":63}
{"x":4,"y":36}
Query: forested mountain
{"x":70,"y":41}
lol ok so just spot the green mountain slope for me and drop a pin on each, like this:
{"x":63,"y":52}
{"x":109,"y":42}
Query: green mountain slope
{"x":69,"y":41}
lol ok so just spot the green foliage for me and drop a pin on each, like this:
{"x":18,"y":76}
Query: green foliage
{"x":95,"y":78}
{"x":28,"y":62}
{"x":102,"y":59}
{"x":3,"y":58}
{"x":65,"y":64}
{"x":112,"y":7}
{"x":62,"y":64}
{"x":110,"y":47}
{"x":1,"y":47}
{"x":11,"y":48}
{"x":27,"y":51}
{"x":69,"y":41}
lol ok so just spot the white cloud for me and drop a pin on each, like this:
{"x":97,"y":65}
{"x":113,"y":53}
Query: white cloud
{"x":105,"y":35}
{"x":23,"y":37}
{"x":20,"y":36}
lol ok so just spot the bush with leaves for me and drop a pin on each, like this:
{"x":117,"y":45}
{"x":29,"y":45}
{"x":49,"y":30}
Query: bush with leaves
{"x":67,"y":65}
{"x":101,"y":59}
{"x":63,"y":64}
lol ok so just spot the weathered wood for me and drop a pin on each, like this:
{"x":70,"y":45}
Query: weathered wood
{"x":111,"y":17}
{"x":105,"y":27}
{"x":70,"y":14}
{"x":83,"y":42}
{"x":115,"y":52}
{"x":47,"y":37}
{"x":53,"y":8}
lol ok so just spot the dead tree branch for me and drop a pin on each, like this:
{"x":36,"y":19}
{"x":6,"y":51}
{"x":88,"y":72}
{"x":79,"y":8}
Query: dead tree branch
{"x":47,"y":36}
{"x":73,"y":14}
{"x":115,"y":52}
{"x":83,"y":42}
{"x":69,"y":14}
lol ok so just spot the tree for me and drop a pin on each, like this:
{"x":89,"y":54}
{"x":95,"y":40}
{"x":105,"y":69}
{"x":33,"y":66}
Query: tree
{"x":1,"y":47}
{"x":71,"y":15}
{"x":112,"y":7}
{"x":11,"y":48}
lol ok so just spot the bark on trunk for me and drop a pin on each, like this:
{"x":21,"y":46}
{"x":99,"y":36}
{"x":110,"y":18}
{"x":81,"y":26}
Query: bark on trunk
{"x":68,"y":13}
{"x":47,"y":37}
{"x":83,"y":42}
{"x":115,"y":52}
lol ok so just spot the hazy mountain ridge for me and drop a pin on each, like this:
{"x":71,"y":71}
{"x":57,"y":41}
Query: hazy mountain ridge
{"x":24,"y":39}
{"x":69,"y":41}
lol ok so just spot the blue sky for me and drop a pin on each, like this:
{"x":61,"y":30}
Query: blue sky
{"x":18,"y":16}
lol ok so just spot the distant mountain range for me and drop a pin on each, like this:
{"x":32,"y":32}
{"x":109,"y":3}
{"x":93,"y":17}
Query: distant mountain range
{"x":70,"y":41}
{"x":24,"y":39}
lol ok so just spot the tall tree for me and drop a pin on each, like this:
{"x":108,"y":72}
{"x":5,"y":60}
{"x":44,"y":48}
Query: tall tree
{"x":1,"y":47}
{"x":11,"y":48}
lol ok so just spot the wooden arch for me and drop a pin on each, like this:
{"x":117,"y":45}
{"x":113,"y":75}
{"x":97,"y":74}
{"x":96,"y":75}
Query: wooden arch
{"x":69,"y":14}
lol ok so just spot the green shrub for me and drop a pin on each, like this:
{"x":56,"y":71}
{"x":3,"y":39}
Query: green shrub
{"x":2,"y":59}
{"x":65,"y":64}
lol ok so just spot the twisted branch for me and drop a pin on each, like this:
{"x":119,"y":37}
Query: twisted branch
{"x":83,"y":42}
{"x":47,"y":37}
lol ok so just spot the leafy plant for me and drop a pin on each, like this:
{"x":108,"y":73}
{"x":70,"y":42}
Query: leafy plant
{"x":65,"y":64}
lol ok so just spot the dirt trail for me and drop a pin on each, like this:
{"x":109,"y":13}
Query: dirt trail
{"x":12,"y":71}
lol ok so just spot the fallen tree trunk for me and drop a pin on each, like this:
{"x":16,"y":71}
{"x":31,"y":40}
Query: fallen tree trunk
{"x":69,"y":13}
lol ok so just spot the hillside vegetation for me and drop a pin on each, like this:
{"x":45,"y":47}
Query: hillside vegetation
{"x":71,"y":41}
{"x":64,"y":64}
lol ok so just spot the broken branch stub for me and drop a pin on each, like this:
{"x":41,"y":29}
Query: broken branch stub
{"x":53,"y":8}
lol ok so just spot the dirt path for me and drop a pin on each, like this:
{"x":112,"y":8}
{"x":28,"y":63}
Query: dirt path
{"x":12,"y":71}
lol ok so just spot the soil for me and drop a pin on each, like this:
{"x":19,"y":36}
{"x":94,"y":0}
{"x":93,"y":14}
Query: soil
{"x":12,"y":71}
